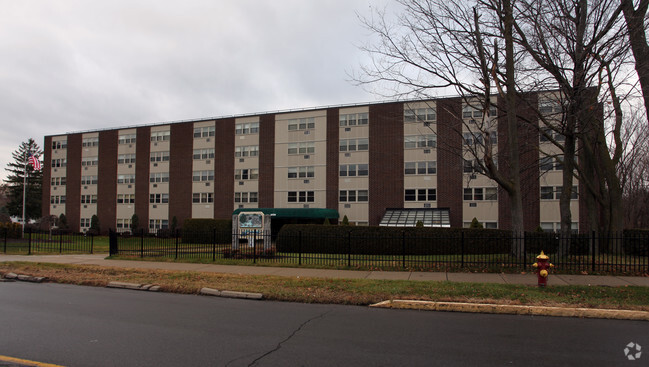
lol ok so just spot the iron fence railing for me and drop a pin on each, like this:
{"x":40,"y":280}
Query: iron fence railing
{"x":45,"y":242}
{"x":591,"y":253}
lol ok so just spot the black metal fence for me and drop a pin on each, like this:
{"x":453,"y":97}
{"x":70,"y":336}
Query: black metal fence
{"x":45,"y":242}
{"x":590,"y":253}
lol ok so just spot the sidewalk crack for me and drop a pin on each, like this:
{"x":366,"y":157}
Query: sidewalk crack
{"x":279,"y":345}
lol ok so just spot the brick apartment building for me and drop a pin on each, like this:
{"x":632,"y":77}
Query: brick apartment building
{"x":360,"y":160}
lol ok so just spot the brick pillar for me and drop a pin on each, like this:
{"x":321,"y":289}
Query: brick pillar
{"x":266,"y":161}
{"x":107,"y":180}
{"x":180,"y":171}
{"x":142,"y":167}
{"x":73,"y":182}
{"x":333,"y":133}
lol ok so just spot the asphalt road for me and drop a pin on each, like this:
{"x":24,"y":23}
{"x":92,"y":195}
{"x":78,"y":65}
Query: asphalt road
{"x":85,"y":326}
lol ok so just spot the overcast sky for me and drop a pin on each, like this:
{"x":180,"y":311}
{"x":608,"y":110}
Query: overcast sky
{"x":73,"y":65}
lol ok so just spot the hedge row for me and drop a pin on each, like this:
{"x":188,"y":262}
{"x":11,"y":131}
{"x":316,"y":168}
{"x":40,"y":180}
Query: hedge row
{"x":392,"y":241}
{"x":12,"y":230}
{"x":636,"y":242}
{"x":205,"y":230}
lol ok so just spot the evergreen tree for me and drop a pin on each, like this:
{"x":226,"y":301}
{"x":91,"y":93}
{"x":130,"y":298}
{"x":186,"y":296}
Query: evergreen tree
{"x":135,"y":223}
{"x":14,"y":182}
{"x":94,"y":224}
{"x":345,"y":221}
{"x":63,"y":221}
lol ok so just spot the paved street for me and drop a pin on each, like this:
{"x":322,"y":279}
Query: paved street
{"x":85,"y":326}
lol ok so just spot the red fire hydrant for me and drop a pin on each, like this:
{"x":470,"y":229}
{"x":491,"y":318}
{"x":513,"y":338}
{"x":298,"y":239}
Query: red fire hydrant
{"x":542,"y":266}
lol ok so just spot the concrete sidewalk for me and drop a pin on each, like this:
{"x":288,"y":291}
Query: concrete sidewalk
{"x":528,"y":279}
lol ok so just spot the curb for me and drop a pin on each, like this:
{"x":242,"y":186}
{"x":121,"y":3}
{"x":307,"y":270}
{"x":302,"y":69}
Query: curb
{"x":25,"y":278}
{"x":515,"y":309}
{"x":230,"y":294}
{"x":134,"y":286}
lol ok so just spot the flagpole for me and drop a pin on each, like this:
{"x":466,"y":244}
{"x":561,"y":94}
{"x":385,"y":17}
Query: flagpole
{"x":24,"y":192}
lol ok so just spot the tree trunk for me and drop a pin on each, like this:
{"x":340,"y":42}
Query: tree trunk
{"x":635,"y":24}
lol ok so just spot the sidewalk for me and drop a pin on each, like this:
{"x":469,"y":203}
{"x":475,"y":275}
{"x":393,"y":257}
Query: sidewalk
{"x":528,"y":279}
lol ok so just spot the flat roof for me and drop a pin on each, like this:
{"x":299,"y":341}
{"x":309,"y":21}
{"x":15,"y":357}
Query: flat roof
{"x":293,"y":212}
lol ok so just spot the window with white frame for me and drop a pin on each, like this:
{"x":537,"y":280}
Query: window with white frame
{"x":246,"y":197}
{"x":301,"y":148}
{"x":301,"y":172}
{"x":301,"y":196}
{"x":203,"y":153}
{"x":246,"y":128}
{"x":126,"y":158}
{"x":354,"y":119}
{"x":198,"y":176}
{"x":56,"y":163}
{"x":89,"y":180}
{"x":88,"y":199}
{"x":57,"y":199}
{"x":158,"y":198}
{"x":126,"y":139}
{"x":59,"y":181}
{"x":419,"y":115}
{"x":204,"y":132}
{"x":420,"y":141}
{"x":160,"y":136}
{"x":90,"y":142}
{"x":301,"y":124}
{"x":59,"y":144}
{"x":85,"y":222}
{"x":159,"y":177}
{"x":202,"y":197}
{"x":353,"y":196}
{"x":123,"y":224}
{"x":246,"y":151}
{"x":554,"y":193}
{"x":420,"y":195}
{"x":89,"y":161}
{"x":353,"y":145}
{"x":353,"y":170}
{"x":156,"y":224}
{"x":246,"y":174}
{"x":480,"y":194}
{"x":160,"y":156}
{"x":125,"y":179}
{"x":420,"y":168}
{"x":125,"y":198}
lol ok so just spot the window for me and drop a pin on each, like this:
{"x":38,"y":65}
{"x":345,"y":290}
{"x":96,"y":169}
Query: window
{"x":88,"y":199}
{"x":160,"y":136}
{"x":59,"y":181}
{"x":127,"y":139}
{"x":158,"y":198}
{"x":547,"y":192}
{"x":351,"y":196}
{"x":419,"y":115}
{"x":156,"y":224}
{"x":202,"y":197}
{"x":125,"y":179}
{"x":480,"y":193}
{"x":123,"y":224}
{"x":301,"y":172}
{"x":420,"y":195}
{"x":125,"y":198}
{"x":160,"y":156}
{"x":85,"y":222}
{"x":198,"y":176}
{"x":246,"y":151}
{"x":363,"y":169}
{"x":203,"y":153}
{"x":420,"y":168}
{"x":245,"y":197}
{"x":549,"y":106}
{"x":59,"y":144}
{"x":420,"y":141}
{"x":352,"y":145}
{"x":246,"y":128}
{"x":159,"y":177}
{"x":57,"y":199}
{"x":301,"y":148}
{"x":353,"y":170}
{"x":89,"y":161}
{"x":56,"y":163}
{"x":125,"y":158}
{"x":246,"y":174}
{"x":301,"y":196}
{"x":545,"y":164}
{"x":88,"y":180}
{"x":90,"y":142}
{"x":204,"y":132}
{"x":554,"y":193}
{"x":353,"y":119}
{"x":301,"y":124}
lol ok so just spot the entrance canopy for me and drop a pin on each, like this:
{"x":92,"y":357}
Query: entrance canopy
{"x":433,"y":217}
{"x":311,"y":213}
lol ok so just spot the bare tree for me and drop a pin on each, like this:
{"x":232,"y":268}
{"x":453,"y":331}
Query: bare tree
{"x":635,"y":22}
{"x":633,"y":170}
{"x":441,"y":45}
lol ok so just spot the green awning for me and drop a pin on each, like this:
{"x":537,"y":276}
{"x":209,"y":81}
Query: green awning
{"x":293,"y":212}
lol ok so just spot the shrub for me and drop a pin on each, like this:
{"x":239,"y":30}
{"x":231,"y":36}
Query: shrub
{"x":12,"y":230}
{"x":636,"y":242}
{"x":391,"y":240}
{"x":204,"y":230}
{"x":475,"y":224}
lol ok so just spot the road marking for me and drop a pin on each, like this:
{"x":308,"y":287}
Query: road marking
{"x":24,"y":362}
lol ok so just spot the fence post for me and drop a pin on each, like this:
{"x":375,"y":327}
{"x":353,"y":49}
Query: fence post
{"x":403,"y":249}
{"x":92,"y":242}
{"x":462,"y":250}
{"x":592,"y":250}
{"x":254,"y":246}
{"x":60,"y":241}
{"x":176,"y":238}
{"x":5,"y":245}
{"x":349,"y":249}
{"x":29,"y":248}
{"x":299,"y":247}
{"x":142,"y":243}
{"x":214,"y":245}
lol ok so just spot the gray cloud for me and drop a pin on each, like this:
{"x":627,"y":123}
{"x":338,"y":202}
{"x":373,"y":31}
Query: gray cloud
{"x":74,"y":65}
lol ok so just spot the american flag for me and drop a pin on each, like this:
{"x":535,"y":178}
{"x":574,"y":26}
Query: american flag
{"x":35,"y":162}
